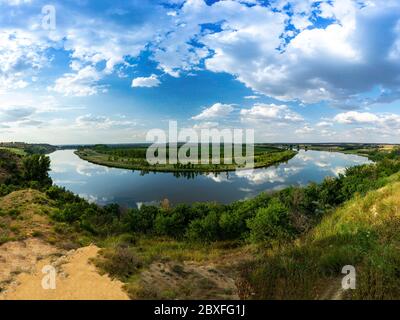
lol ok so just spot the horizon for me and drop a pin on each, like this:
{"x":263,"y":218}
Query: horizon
{"x":183,"y":142}
{"x":317,"y":71}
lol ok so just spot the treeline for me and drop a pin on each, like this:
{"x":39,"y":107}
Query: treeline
{"x":267,"y":219}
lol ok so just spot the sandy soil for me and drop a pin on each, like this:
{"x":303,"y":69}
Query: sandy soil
{"x":22,"y":256}
{"x":77,"y":278}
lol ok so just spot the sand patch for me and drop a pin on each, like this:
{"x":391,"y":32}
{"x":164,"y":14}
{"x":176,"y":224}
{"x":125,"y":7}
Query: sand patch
{"x":76,"y":279}
{"x":22,"y":256}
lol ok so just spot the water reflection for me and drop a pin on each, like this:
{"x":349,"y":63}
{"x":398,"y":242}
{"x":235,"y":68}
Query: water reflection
{"x":132,"y":188}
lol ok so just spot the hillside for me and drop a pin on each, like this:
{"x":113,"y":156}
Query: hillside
{"x":30,"y":240}
{"x":364,"y":232}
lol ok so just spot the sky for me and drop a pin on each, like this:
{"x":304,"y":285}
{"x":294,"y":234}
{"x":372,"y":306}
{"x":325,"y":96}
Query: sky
{"x":108,"y":71}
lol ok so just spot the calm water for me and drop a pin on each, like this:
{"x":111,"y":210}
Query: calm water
{"x":125,"y":187}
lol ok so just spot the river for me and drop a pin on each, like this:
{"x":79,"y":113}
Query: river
{"x":105,"y":185}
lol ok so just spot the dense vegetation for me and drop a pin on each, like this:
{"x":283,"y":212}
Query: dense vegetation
{"x":19,"y":172}
{"x":134,"y":157}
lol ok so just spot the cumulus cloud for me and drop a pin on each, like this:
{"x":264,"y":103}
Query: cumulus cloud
{"x":82,"y":83}
{"x":278,"y":50}
{"x":311,"y":64}
{"x":270,"y":112}
{"x":356,"y":117}
{"x":206,"y":125}
{"x":22,"y":54}
{"x":215,"y":111}
{"x":102,"y":122}
{"x":324,"y":124}
{"x":307,"y":129}
{"x":147,"y":82}
{"x":369,"y":125}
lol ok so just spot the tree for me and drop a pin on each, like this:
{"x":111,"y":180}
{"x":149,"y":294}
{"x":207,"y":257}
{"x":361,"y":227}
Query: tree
{"x":36,"y":168}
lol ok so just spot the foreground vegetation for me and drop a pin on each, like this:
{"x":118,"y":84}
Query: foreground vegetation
{"x":134,"y":157}
{"x":363,"y":233}
{"x":288,"y":244}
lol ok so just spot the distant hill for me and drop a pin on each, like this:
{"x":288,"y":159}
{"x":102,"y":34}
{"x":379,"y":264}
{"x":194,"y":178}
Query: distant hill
{"x":41,"y":148}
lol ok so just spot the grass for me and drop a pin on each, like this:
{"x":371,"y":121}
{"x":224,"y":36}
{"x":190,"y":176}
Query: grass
{"x":264,"y":157}
{"x":16,"y":151}
{"x":364,"y":233}
{"x":26,"y":213}
{"x":156,"y":268}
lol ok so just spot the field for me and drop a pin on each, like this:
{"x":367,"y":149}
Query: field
{"x":17,"y":151}
{"x":135,"y":158}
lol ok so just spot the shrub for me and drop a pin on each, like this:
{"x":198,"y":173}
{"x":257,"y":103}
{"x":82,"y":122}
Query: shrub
{"x":270,"y":224}
{"x":141,"y":220}
{"x":206,"y":229}
{"x":120,"y":263}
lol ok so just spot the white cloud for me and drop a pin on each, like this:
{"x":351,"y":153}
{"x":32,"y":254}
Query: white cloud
{"x":102,"y":122}
{"x":316,"y":64}
{"x":22,"y":54}
{"x":252,"y":97}
{"x":270,"y":112}
{"x":215,"y":111}
{"x":324,"y":124}
{"x":305,"y":130}
{"x":205,"y":125}
{"x":147,"y":82}
{"x":356,"y":117}
{"x":82,"y":83}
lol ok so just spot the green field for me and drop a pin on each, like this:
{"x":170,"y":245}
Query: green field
{"x":17,"y":151}
{"x":134,"y":158}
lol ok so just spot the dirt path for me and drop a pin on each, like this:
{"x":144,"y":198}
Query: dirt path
{"x":333,"y":290}
{"x":76,"y":279}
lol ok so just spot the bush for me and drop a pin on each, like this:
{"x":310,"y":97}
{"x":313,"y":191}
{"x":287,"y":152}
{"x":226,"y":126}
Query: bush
{"x":270,"y":224}
{"x":206,"y":229}
{"x":120,"y":263}
{"x":141,"y":220}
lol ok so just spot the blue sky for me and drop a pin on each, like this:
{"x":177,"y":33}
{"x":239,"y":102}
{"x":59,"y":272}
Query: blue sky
{"x":109,"y":71}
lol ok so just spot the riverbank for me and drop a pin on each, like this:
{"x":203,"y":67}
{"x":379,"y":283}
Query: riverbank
{"x":264,"y":160}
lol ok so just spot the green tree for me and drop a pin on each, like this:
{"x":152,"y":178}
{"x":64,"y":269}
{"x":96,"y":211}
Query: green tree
{"x":36,"y":168}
